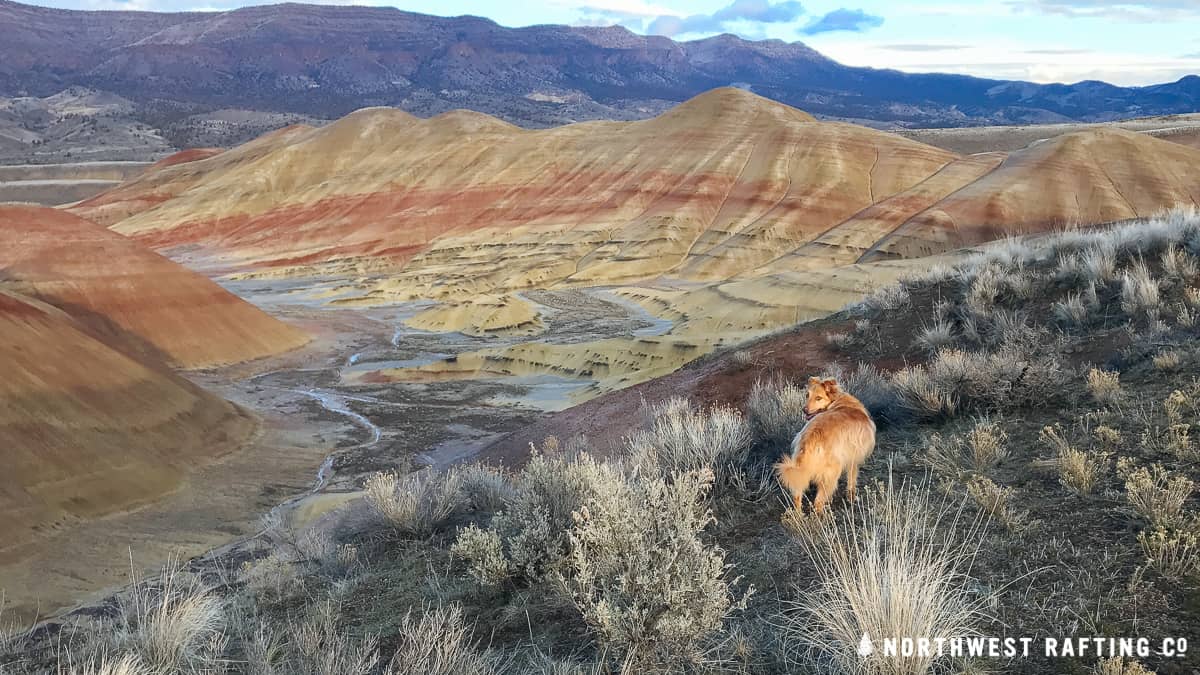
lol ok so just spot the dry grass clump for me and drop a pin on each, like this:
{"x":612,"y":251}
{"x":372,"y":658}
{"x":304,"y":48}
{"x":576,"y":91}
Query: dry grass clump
{"x":1078,"y":471}
{"x":439,"y":643}
{"x":982,"y":447}
{"x":935,"y":336}
{"x":1175,"y":554}
{"x":316,"y":646}
{"x":1117,"y":665}
{"x":681,"y":438}
{"x":955,"y":380}
{"x":170,"y":624}
{"x":897,"y":565}
{"x":645,"y":582}
{"x":1071,"y":311}
{"x":853,"y":341}
{"x":126,"y":665}
{"x":1192,"y":297}
{"x":776,"y":411}
{"x":1177,"y":263}
{"x":1104,"y":386}
{"x":1168,"y":361}
{"x":1155,"y":493}
{"x":418,"y":504}
{"x":1140,"y":294}
{"x":996,"y":501}
{"x":886,"y":299}
{"x":1099,"y":262}
{"x":742,"y":358}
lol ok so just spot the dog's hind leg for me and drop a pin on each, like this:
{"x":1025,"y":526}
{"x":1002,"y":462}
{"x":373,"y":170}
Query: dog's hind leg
{"x":851,"y":481}
{"x":826,"y":486}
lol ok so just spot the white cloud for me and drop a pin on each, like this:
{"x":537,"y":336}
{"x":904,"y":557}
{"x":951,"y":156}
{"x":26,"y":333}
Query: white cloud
{"x":1141,"y":11}
{"x":1018,"y":62}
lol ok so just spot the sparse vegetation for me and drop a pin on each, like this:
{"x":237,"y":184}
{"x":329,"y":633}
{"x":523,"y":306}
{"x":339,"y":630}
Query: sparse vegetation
{"x":1104,"y":386}
{"x":642,"y":577}
{"x":641,"y":558}
{"x":417,"y":504}
{"x":897,"y":566}
{"x":1155,"y":494}
{"x":679,"y":438}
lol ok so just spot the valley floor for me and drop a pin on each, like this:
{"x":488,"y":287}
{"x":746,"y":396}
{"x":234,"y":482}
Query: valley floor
{"x":322,"y":431}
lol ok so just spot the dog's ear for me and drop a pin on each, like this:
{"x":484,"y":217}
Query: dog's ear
{"x":831,"y":386}
{"x":814,"y":381}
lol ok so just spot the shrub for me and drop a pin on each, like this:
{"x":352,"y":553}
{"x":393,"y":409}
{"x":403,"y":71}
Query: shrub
{"x":776,"y":412}
{"x":644,"y":581}
{"x":1078,"y":471}
{"x":485,"y":488}
{"x":870,"y":387}
{"x":987,"y":442}
{"x":897,"y":565}
{"x":681,"y":438}
{"x":484,"y":553}
{"x":920,"y":396}
{"x":955,"y":380}
{"x":1155,"y":494}
{"x":271,"y":579}
{"x":532,"y":529}
{"x":1104,"y":386}
{"x":417,"y":504}
{"x":1174,"y":553}
{"x":172,"y":623}
{"x":438,"y":643}
{"x":1117,"y":665}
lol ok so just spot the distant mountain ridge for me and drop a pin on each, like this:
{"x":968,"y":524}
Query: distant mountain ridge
{"x":326,"y":61}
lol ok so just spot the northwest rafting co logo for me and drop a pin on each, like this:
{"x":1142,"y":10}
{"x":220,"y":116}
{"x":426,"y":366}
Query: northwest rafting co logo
{"x":1014,"y":647}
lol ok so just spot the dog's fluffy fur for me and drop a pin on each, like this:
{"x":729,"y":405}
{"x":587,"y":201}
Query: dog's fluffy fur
{"x":838,"y":438}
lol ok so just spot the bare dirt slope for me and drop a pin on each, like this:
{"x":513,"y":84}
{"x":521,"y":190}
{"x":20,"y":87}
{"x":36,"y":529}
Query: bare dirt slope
{"x":114,"y":286}
{"x":89,"y":428}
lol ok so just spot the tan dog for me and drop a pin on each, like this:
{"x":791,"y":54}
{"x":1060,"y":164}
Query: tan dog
{"x":838,"y":437}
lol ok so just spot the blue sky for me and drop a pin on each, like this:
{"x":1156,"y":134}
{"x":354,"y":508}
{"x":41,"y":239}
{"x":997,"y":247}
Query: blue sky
{"x":1131,"y":42}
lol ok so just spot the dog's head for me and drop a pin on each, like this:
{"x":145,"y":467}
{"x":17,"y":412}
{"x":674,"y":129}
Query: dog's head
{"x":820,"y":395}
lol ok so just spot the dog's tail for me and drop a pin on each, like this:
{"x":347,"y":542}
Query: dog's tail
{"x":791,"y":476}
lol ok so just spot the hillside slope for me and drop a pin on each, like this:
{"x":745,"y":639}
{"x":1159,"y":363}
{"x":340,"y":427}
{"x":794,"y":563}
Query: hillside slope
{"x":114,"y":287}
{"x":88,"y":429}
{"x":329,"y":60}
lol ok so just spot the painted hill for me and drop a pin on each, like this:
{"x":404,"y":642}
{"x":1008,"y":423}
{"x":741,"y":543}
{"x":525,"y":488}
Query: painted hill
{"x":86,"y":427}
{"x":464,"y":202}
{"x":114,"y":288}
{"x":728,"y":185}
